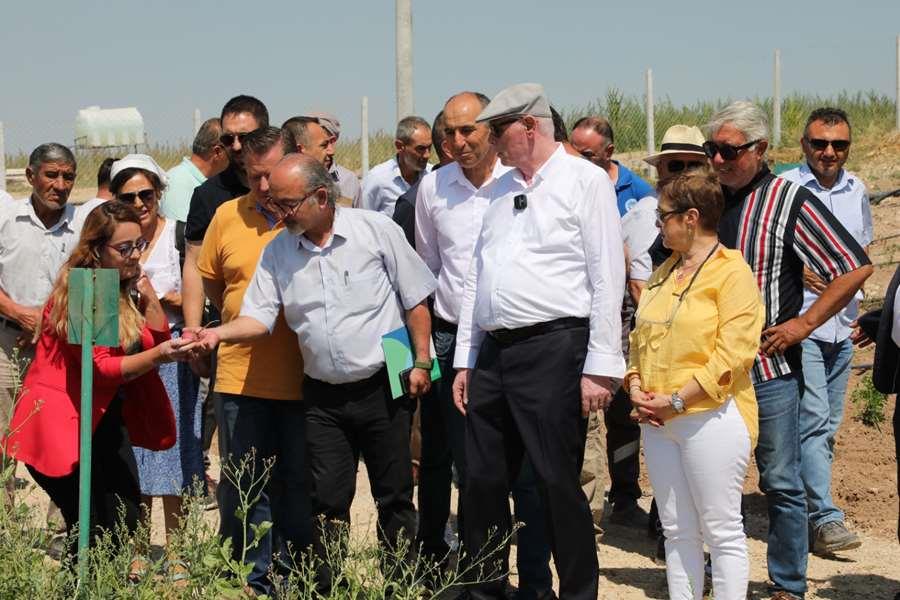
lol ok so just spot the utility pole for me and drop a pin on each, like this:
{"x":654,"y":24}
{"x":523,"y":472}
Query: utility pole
{"x":404,"y":59}
{"x":776,"y":102}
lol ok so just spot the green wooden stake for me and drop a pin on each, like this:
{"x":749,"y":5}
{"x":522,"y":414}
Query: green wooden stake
{"x":93,"y":319}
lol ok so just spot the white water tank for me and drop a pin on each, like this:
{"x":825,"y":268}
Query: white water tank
{"x":97,"y":127}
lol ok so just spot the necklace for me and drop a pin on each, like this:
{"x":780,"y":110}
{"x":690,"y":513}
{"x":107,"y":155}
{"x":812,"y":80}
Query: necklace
{"x":682,"y":269}
{"x":657,"y":286}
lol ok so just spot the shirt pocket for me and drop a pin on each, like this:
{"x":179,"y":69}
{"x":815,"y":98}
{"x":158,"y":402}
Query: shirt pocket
{"x":364,"y":292}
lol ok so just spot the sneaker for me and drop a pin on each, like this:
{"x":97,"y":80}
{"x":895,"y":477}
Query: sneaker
{"x":834,"y":537}
{"x":630,"y":515}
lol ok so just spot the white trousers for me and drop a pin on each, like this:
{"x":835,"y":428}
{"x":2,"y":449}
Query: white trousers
{"x":697,"y":464}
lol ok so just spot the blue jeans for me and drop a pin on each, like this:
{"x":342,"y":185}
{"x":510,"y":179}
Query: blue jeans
{"x":269,"y":428}
{"x":778,"y":459}
{"x":826,"y":369}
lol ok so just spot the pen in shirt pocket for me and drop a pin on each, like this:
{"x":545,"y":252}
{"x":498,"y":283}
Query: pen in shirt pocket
{"x":346,"y":278}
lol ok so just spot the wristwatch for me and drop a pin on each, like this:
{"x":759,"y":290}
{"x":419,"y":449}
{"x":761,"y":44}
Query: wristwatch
{"x":677,"y":403}
{"x":424,"y":364}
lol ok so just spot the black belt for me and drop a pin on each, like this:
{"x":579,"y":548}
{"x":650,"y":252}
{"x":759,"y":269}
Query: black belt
{"x":512,"y":336}
{"x":10,"y":324}
{"x":371,"y":382}
{"x":438,"y":324}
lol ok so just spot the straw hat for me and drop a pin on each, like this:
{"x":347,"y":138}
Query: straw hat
{"x":679,"y":139}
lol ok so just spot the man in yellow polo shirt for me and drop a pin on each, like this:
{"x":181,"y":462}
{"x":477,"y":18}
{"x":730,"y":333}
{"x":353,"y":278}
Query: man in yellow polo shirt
{"x":259,"y":382}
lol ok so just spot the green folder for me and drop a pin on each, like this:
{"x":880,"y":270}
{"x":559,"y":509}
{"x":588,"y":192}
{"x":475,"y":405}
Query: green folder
{"x":398,"y":357}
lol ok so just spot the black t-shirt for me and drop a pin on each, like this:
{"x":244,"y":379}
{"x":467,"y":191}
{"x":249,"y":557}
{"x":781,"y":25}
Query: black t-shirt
{"x":207,"y":197}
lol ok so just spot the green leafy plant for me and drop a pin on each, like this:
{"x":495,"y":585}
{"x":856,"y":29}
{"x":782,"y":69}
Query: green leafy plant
{"x":869,"y":402}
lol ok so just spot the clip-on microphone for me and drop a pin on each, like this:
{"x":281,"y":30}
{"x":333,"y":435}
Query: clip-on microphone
{"x":520,"y":202}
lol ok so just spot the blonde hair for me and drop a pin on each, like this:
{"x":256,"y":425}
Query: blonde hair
{"x":98,"y":229}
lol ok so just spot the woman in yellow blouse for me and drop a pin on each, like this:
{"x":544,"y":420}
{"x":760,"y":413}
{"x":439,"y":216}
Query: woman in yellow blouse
{"x":697,"y":332}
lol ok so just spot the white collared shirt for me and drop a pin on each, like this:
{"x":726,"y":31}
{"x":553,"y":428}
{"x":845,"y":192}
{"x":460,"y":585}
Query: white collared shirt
{"x":849,"y":202}
{"x":561,"y":256}
{"x":383,"y":185}
{"x":342,"y":298}
{"x":32,"y":254}
{"x":449,"y":210}
{"x":347,"y":182}
{"x":5,"y":198}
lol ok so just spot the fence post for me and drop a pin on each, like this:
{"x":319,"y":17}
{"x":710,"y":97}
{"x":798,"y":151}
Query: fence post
{"x":404,"y":59}
{"x":651,"y":120}
{"x":364,"y":138}
{"x":2,"y":159}
{"x":197,"y":121}
{"x":897,"y":103}
{"x":776,"y":102}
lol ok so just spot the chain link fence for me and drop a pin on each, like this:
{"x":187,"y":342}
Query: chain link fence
{"x":871,"y":113}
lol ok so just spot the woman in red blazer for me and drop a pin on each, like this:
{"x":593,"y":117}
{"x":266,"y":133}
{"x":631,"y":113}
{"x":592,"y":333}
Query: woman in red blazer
{"x":129,"y":402}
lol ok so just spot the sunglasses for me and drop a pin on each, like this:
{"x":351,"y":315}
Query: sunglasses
{"x":678,"y":165}
{"x":129,"y":197}
{"x":126,"y":249}
{"x":227,"y":139}
{"x":820,"y":145}
{"x":500,"y":126}
{"x":726,"y":151}
{"x":662,"y":215}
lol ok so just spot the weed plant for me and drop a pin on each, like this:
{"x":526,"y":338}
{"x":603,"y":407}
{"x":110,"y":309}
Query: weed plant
{"x":869,"y":402}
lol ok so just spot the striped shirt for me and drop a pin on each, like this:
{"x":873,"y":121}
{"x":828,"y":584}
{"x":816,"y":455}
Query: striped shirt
{"x":779,"y":226}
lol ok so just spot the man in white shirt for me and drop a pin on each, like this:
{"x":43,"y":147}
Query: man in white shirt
{"x":387,"y":182}
{"x":828,"y":351}
{"x":344,"y":278}
{"x":539,"y":338}
{"x":38,"y":235}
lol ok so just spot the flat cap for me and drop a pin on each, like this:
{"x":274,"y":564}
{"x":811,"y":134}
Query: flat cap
{"x":328,"y":121}
{"x":516,"y":100}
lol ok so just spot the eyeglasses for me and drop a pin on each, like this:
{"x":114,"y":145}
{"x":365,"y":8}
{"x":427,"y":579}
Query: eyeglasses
{"x":287,"y":209}
{"x":126,"y":249}
{"x":228,"y":138}
{"x":499,"y":127}
{"x":662,"y":215}
{"x":726,"y":151}
{"x":820,"y":145}
{"x":145,"y":196}
{"x":678,"y":165}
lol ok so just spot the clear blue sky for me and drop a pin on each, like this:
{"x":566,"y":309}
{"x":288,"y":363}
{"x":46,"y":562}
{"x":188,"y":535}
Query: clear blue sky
{"x":168,"y":57}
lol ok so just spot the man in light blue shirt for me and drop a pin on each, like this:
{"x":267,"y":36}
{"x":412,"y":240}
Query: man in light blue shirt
{"x":207,"y":158}
{"x":828,"y":351}
{"x":391,"y":179}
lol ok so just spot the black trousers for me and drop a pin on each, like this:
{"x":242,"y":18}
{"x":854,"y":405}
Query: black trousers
{"x":342,"y":423}
{"x":114,"y":480}
{"x":443,"y":446}
{"x":525,"y":397}
{"x":623,"y":446}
